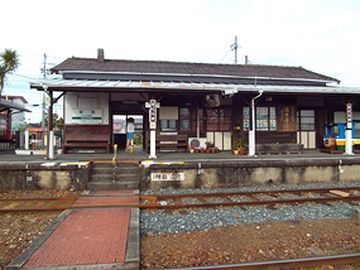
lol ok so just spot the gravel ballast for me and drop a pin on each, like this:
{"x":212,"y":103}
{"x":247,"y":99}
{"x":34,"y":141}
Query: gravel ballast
{"x":155,"y":222}
{"x":161,"y":221}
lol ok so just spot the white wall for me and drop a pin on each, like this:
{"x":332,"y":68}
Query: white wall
{"x":95,"y":104}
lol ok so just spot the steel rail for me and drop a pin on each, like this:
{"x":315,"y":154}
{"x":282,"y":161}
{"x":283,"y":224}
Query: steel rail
{"x":39,"y":199}
{"x":285,"y":264}
{"x":69,"y":207}
{"x":249,"y":203}
{"x":154,"y":202}
{"x":161,"y":201}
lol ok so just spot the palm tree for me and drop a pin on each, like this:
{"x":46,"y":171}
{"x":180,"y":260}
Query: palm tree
{"x":9,"y":61}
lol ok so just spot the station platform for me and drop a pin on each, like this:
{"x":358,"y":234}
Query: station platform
{"x":186,"y":157}
{"x":97,"y":238}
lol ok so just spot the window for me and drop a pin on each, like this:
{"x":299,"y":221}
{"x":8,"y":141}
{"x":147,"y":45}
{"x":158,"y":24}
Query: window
{"x":168,"y":118}
{"x":168,"y":125}
{"x":218,"y":119}
{"x":272,"y":118}
{"x":262,"y":118}
{"x":185,"y":119}
{"x":306,"y":120}
{"x":357,"y":129}
{"x":246,"y":118}
{"x":265,"y":118}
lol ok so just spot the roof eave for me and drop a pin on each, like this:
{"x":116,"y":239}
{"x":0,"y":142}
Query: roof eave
{"x":198,"y":75}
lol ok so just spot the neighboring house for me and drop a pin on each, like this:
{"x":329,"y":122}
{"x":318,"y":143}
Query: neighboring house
{"x":9,"y":107}
{"x":198,"y":101}
{"x":17,"y":117}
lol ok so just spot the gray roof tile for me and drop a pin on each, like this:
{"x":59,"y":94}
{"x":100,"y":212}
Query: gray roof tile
{"x":167,"y":67}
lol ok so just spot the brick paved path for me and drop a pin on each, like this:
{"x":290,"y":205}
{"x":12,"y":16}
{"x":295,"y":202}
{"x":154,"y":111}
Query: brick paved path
{"x":86,"y":237}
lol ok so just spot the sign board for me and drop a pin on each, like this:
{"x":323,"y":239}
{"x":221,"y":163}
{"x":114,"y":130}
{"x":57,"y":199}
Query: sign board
{"x":152,"y":105}
{"x":87,"y":117}
{"x":348,"y":116}
{"x":167,"y":176}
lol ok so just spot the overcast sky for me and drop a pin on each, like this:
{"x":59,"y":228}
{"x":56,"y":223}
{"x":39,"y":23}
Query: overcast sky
{"x":323,"y":35}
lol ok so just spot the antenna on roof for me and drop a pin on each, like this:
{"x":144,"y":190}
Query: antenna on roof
{"x":100,"y":55}
{"x":234,"y":47}
{"x":247,"y":61}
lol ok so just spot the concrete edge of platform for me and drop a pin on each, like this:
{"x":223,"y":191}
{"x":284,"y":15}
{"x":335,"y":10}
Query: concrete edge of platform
{"x":24,"y":256}
{"x":255,"y":162}
{"x":133,"y":243}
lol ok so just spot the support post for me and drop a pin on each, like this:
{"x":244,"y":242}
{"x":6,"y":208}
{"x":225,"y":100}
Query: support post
{"x":252,"y":130}
{"x":348,"y":131}
{"x":50,"y":144}
{"x":152,"y":144}
{"x":27,"y":140}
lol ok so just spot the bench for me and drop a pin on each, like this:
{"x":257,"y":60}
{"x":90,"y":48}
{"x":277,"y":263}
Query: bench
{"x":79,"y":138}
{"x":171,"y":143}
{"x":279,"y":148}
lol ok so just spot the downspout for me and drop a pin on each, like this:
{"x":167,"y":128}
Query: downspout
{"x":252,"y":131}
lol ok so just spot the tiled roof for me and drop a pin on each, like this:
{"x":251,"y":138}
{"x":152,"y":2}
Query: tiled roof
{"x":16,"y":97}
{"x":183,"y":68}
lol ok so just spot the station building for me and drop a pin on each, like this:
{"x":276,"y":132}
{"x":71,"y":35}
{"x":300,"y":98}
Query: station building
{"x":199,"y":103}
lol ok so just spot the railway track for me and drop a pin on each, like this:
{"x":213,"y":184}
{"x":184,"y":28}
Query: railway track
{"x":196,"y":200}
{"x":35,"y":204}
{"x":243,"y":199}
{"x":344,"y":259}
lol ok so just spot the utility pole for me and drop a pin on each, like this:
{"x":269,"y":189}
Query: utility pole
{"x":234,"y":47}
{"x":43,"y":101}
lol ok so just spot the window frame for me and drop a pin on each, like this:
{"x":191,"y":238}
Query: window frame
{"x":268,"y":118}
{"x":299,"y":122}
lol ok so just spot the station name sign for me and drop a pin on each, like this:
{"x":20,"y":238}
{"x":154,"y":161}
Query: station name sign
{"x":167,"y":176}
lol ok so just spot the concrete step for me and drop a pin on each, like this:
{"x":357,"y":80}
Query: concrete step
{"x":98,"y":186}
{"x":110,"y":165}
{"x":116,"y":169}
{"x":117,"y":177}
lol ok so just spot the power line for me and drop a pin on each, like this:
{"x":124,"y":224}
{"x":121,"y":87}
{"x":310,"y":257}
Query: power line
{"x":225,"y":55}
{"x":25,"y":76}
{"x":270,"y":56}
{"x":348,"y":70}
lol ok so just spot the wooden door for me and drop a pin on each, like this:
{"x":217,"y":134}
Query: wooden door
{"x":306,"y":133}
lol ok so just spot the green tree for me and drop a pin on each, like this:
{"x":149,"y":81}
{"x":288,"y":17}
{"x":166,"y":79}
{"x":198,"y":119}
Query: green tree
{"x":9,"y":61}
